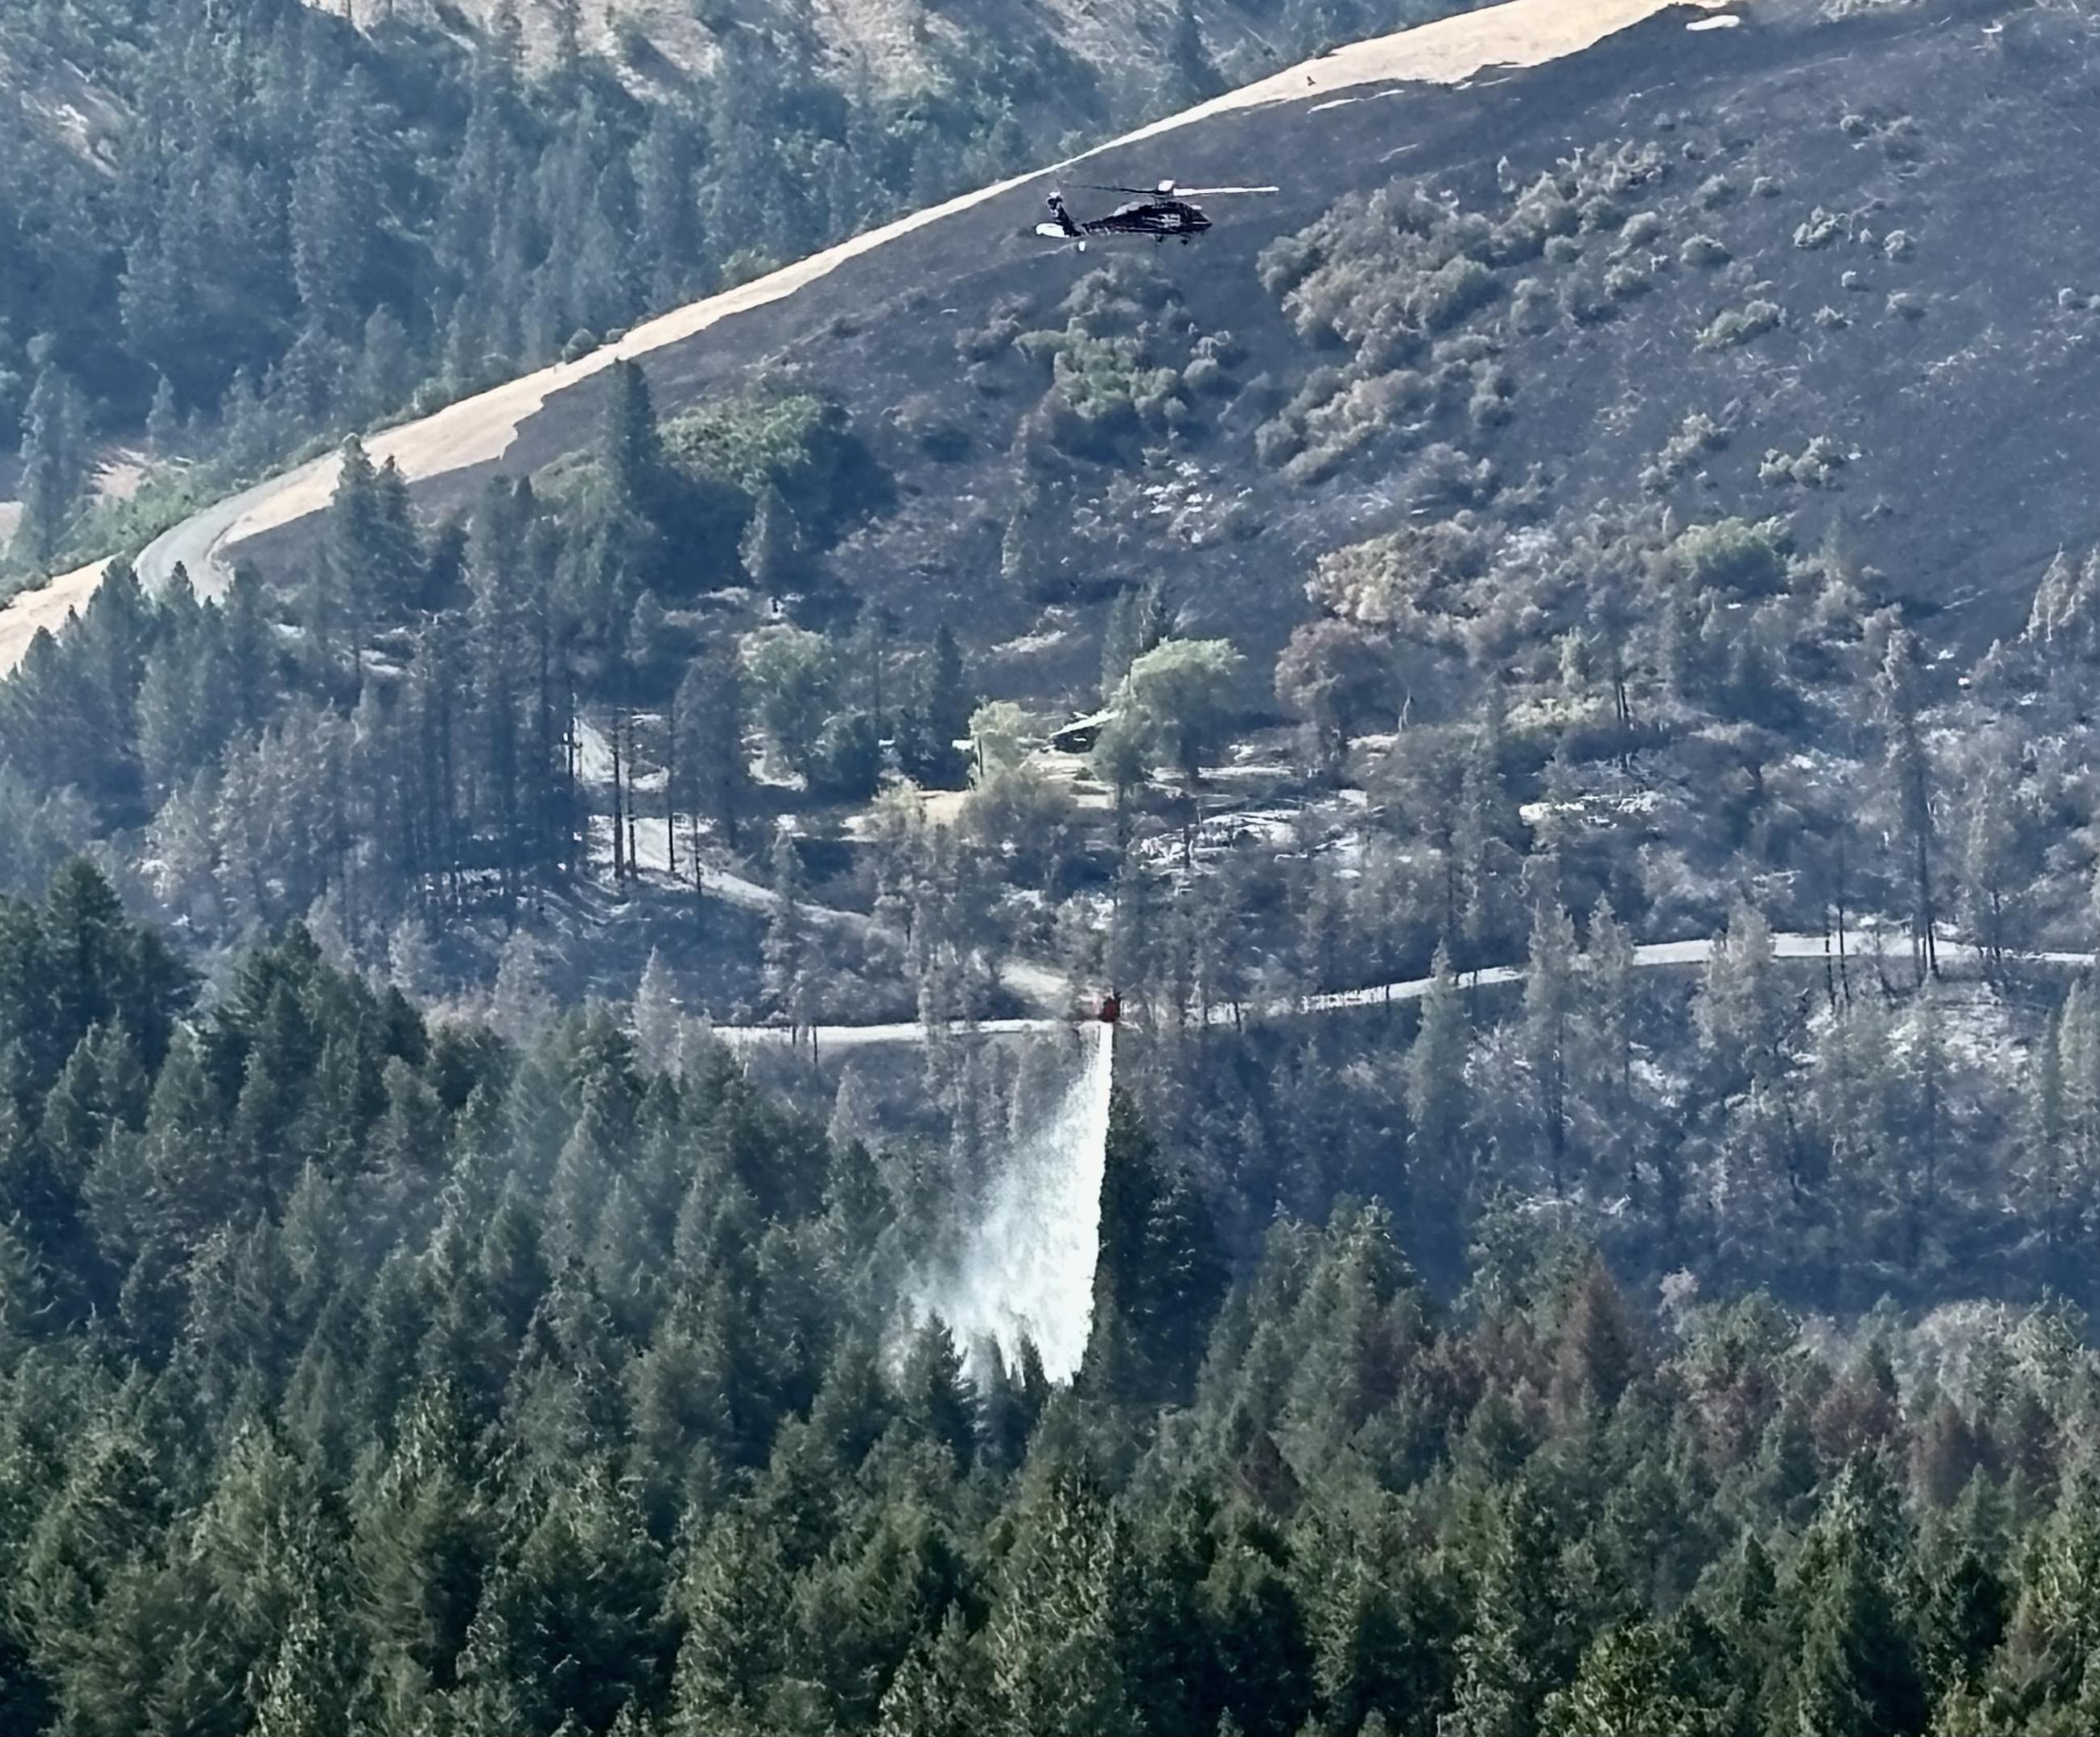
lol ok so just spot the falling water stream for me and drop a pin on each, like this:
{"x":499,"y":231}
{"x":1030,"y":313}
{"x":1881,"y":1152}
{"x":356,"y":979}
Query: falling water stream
{"x":1027,"y":1267}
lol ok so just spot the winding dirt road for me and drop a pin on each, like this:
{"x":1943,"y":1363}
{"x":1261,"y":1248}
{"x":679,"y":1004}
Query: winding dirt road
{"x":481,"y":429}
{"x":1658,"y":955}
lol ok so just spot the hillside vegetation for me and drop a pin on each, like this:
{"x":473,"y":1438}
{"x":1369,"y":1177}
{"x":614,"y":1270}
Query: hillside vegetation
{"x":358,"y":1371}
{"x":1104,"y":46}
{"x":1521,"y":559}
{"x":1547,"y":668}
{"x":232,"y":229}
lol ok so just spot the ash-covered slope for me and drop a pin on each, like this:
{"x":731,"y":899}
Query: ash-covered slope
{"x":1837,"y":271}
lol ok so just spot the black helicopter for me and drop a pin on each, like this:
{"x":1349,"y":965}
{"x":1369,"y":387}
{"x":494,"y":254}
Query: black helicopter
{"x":1163,"y":212}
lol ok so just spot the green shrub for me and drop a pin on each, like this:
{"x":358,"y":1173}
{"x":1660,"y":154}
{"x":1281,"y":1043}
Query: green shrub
{"x":1532,"y":306}
{"x":1735,"y":555}
{"x":1541,"y":212}
{"x":1454,"y":290}
{"x":1815,"y":466}
{"x":1740,"y":325}
{"x":1277,"y":441}
{"x":1821,"y":229}
{"x":1641,"y":228}
{"x":846,"y":765}
{"x":1904,"y":305}
{"x":1445,"y":477}
{"x":1102,"y":389}
{"x":1287,"y":262}
{"x":1584,"y":300}
{"x":1042,"y":345}
{"x":1705,"y":251}
{"x":1489,"y":406}
{"x":1117,"y":298}
{"x":1698,"y":433}
{"x":1315,"y":465}
{"x":750,"y":439}
{"x":1625,"y":281}
{"x":991,"y":341}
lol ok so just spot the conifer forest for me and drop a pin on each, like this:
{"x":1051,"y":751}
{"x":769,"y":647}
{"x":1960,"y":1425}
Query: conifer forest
{"x":775,"y":961}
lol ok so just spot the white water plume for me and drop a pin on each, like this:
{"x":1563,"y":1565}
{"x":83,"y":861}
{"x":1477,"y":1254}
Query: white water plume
{"x":1027,"y":1267}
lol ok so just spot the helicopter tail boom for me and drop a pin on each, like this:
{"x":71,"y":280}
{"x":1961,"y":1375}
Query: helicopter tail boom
{"x":1063,"y":227}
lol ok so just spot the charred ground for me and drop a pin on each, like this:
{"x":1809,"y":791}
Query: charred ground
{"x":1768,"y":273}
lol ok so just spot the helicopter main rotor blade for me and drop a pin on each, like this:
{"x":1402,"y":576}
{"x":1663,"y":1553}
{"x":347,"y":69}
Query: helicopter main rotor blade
{"x":1169,"y":191}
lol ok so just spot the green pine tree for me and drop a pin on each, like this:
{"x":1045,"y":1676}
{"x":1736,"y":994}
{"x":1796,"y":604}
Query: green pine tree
{"x":54,"y":463}
{"x":1058,"y":1630}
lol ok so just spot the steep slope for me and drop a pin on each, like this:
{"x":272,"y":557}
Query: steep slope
{"x":1123,"y":47}
{"x":1772,"y":282}
{"x":257,"y":221}
{"x":548,"y":412}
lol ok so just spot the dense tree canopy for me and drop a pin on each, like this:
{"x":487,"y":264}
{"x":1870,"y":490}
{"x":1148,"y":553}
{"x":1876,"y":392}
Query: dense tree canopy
{"x":363,"y":1371}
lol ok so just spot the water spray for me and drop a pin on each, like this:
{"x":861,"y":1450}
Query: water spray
{"x":1027,"y":1267}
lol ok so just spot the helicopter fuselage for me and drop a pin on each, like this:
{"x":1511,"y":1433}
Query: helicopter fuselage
{"x":1158,"y":217}
{"x":1161,"y":219}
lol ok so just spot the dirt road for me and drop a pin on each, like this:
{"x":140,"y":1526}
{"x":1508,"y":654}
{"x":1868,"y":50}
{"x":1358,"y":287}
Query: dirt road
{"x":1679,"y":955}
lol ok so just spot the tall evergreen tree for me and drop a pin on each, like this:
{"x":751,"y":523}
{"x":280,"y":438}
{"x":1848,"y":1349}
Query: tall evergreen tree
{"x":54,"y":465}
{"x":1911,"y":779}
{"x":1439,"y":1100}
{"x":1550,"y":994}
{"x":1159,"y":1277}
{"x":713,"y":772}
{"x":1854,"y":1669}
{"x":1058,"y":1630}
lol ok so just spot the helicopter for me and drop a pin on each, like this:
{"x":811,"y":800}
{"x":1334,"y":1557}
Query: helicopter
{"x":1160,"y":212}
